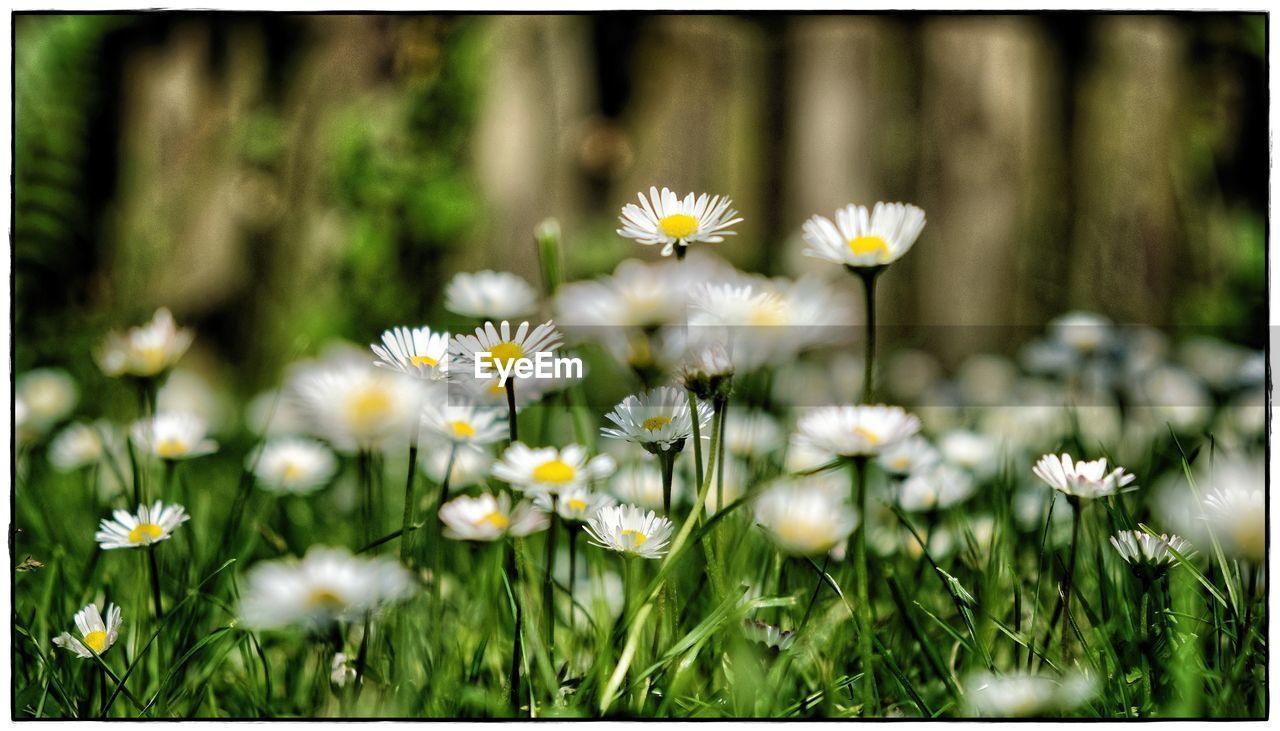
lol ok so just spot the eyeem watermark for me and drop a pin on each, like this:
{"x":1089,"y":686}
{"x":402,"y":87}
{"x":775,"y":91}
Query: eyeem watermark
{"x":542,"y":365}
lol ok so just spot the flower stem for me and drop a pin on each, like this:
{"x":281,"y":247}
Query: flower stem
{"x":155,"y":582}
{"x":859,"y":469}
{"x":407,"y":518}
{"x":668,"y":466}
{"x":548,"y":587}
{"x":697,"y":439}
{"x":817,"y":587}
{"x":513,"y":578}
{"x":869,"y":276}
{"x":573,"y":569}
{"x":1076,"y":507}
{"x":513,"y":430}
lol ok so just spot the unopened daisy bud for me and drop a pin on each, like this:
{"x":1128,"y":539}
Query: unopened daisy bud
{"x":96,"y":636}
{"x":664,"y":219}
{"x":631,"y":531}
{"x":708,"y":372}
{"x":145,"y":351}
{"x":1148,"y":554}
{"x":1082,"y":479}
{"x":489,"y":518}
{"x":864,"y":238}
{"x":151,"y":524}
{"x":658,"y":420}
{"x":547,"y":236}
{"x":173,"y":436}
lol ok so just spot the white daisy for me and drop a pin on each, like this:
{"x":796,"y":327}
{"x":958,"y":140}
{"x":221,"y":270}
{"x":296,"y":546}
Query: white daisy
{"x":640,"y":483}
{"x":341,"y":671}
{"x":862,"y":238}
{"x":145,"y":351}
{"x":1137,"y":547}
{"x":354,"y":406}
{"x":856,"y":431}
{"x":662,"y":218}
{"x":78,"y":445}
{"x":328,"y":584}
{"x":979,"y":453}
{"x":504,"y":347}
{"x":173,"y":436}
{"x":630,"y":530}
{"x":415,"y":352}
{"x":771,"y":636}
{"x":292,"y":465}
{"x":96,"y":636}
{"x":1021,"y":694}
{"x":1082,"y":479}
{"x":186,"y":391}
{"x":1083,"y":332}
{"x":465,"y":423}
{"x":804,"y":517}
{"x":471,"y":465}
{"x":936,"y":489}
{"x":150,"y":525}
{"x":548,"y":469}
{"x":910,"y":456}
{"x":751,"y":433}
{"x":1233,"y":502}
{"x":574,"y":506}
{"x":489,"y":295}
{"x":49,"y":395}
{"x":486,"y":518}
{"x":658,"y":420}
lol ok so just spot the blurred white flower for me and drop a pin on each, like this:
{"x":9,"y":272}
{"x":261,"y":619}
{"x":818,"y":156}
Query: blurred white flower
{"x":486,"y":518}
{"x":292,"y":465}
{"x":1174,"y":396}
{"x":977,"y":452}
{"x":856,"y":431}
{"x":471,"y":465}
{"x":630,"y":530}
{"x":327,"y":585}
{"x":1084,"y":332}
{"x":78,"y":445}
{"x":145,"y":351}
{"x":96,"y":636}
{"x":187,"y":392}
{"x":663,"y":218}
{"x":805,"y":516}
{"x":574,"y":506}
{"x":355,"y":406}
{"x":173,"y":436}
{"x":936,"y":489}
{"x":150,"y":525}
{"x":341,"y":671}
{"x":751,"y":433}
{"x":640,"y":483}
{"x":48,"y":395}
{"x":910,"y":456}
{"x":489,"y":295}
{"x":1233,"y":502}
{"x":548,"y":469}
{"x":864,"y":238}
{"x":1082,"y":479}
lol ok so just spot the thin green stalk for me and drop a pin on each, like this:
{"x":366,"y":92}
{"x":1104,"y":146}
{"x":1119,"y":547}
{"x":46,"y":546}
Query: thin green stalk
{"x":869,"y":276}
{"x":668,"y":459}
{"x":155,"y":582}
{"x":1076,"y":509}
{"x":513,"y":579}
{"x":512,"y":429}
{"x":407,"y":519}
{"x":548,"y":585}
{"x":697,"y":439}
{"x":859,"y":468}
{"x":817,"y":586}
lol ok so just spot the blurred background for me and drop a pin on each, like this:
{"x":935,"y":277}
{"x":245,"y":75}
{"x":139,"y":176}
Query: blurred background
{"x":278,"y":180}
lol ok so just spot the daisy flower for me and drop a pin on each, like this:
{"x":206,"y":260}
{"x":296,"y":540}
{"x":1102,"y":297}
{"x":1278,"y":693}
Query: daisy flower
{"x":1234,"y":505}
{"x":292,"y":465}
{"x":174,"y":436}
{"x":939,"y":488}
{"x":96,"y":636}
{"x":662,"y":218}
{"x":856,"y":431}
{"x":751,"y":433}
{"x":1083,"y":332}
{"x":1023,"y":694}
{"x":503,"y":346}
{"x":148,"y":526}
{"x":909,"y":456}
{"x":145,"y":351}
{"x":49,"y":395}
{"x":465,"y":423}
{"x":976,"y":452}
{"x":471,"y":465}
{"x":658,"y":420}
{"x":631,"y":531}
{"x":489,"y":295}
{"x":1137,"y":547}
{"x":327,"y":585}
{"x":640,"y":483}
{"x":862,"y":238}
{"x":548,"y":469}
{"x":1082,"y":479}
{"x":771,"y":636}
{"x":415,"y":352}
{"x":486,"y":518}
{"x":575,"y":506}
{"x":78,"y":445}
{"x":803,"y":517}
{"x":341,"y":671}
{"x":354,"y":406}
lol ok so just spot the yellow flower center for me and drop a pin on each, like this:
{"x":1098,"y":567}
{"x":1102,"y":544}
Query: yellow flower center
{"x":798,"y":532}
{"x":769,"y":314}
{"x":902,"y":463}
{"x":863,"y":245}
{"x":637,"y":538}
{"x":505,"y":354}
{"x":576,"y":504}
{"x":325,"y":598}
{"x":96,"y":641}
{"x":678,"y":225}
{"x":291,"y":472}
{"x":171,"y":448}
{"x":151,"y":360}
{"x":424,"y":360}
{"x":654,"y":423}
{"x":462,"y":430}
{"x":145,"y":533}
{"x":495,"y":519}
{"x":369,"y":407}
{"x":554,"y":471}
{"x":872,"y":438}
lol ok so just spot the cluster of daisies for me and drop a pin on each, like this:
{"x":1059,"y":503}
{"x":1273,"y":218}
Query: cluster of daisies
{"x":689,"y":328}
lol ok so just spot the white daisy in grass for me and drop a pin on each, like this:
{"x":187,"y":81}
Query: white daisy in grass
{"x":864,"y":238}
{"x":489,"y":518}
{"x":504,"y":346}
{"x":630,"y":530}
{"x":910,"y":456}
{"x":659,"y":420}
{"x":1137,"y":547}
{"x":489,"y":295}
{"x":975,"y":451}
{"x":1082,"y":479}
{"x":96,"y":635}
{"x":355,"y":406}
{"x":577,"y":505}
{"x":173,"y":436}
{"x":341,"y":669}
{"x":640,"y":483}
{"x":1083,"y":332}
{"x":665,"y":219}
{"x":78,"y":445}
{"x":771,"y":636}
{"x":1024,"y":694}
{"x":938,"y":488}
{"x":856,"y":431}
{"x":751,"y":433}
{"x":548,"y":469}
{"x":292,"y":465}
{"x":151,"y":524}
{"x":804,"y":516}
{"x":1233,"y":504}
{"x":145,"y":351}
{"x":49,"y":395}
{"x":465,"y":423}
{"x":326,"y":585}
{"x":471,"y":464}
{"x":414,"y":351}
